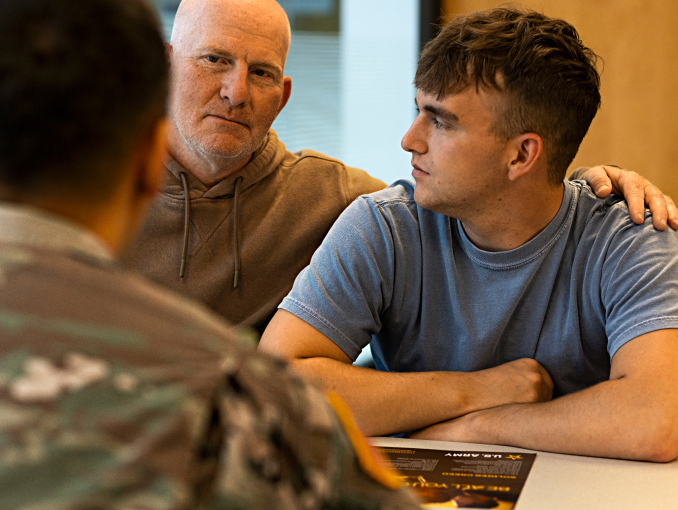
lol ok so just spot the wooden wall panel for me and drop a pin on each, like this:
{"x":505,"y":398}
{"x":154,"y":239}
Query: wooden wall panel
{"x":637,"y":125}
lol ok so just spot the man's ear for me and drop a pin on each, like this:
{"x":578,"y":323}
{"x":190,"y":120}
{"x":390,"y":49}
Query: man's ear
{"x":168,"y":53}
{"x":287,"y":92}
{"x":526,"y":152}
{"x":150,"y":170}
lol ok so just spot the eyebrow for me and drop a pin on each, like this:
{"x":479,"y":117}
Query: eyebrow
{"x":227,"y":54}
{"x":439,"y":112}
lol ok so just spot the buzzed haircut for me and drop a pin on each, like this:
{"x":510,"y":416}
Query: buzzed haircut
{"x":81,"y":81}
{"x":547,"y":78}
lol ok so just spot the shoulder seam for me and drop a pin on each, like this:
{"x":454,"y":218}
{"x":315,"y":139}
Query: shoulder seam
{"x":316,"y":155}
{"x":388,"y":201}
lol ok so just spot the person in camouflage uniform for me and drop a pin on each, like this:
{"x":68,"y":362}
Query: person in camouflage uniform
{"x":115,"y":394}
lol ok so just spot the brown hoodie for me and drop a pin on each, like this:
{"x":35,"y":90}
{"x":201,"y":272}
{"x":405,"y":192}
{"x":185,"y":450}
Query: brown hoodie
{"x":286,"y":203}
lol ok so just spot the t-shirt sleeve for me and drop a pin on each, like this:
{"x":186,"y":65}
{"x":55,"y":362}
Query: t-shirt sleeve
{"x":639,"y":285}
{"x":348,"y":283}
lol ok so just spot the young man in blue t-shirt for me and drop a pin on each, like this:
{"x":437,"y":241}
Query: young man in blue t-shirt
{"x":504,"y":305}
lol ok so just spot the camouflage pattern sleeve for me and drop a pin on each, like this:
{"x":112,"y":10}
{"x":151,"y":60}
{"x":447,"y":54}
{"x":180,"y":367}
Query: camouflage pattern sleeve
{"x":285,"y":448}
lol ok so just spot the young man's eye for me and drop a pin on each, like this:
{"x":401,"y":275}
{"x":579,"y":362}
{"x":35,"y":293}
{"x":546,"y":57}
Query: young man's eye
{"x":437,"y":124}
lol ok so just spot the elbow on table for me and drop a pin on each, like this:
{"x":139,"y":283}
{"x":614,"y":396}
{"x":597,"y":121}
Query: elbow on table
{"x":662,"y":453}
{"x":661,"y":444}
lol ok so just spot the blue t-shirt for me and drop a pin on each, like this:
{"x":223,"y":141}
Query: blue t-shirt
{"x":410,"y":280}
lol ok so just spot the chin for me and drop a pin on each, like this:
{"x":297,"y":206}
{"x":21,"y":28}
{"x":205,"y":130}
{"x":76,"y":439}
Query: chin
{"x":421,"y":198}
{"x":430,"y":203}
{"x":229,"y":146}
{"x":227,"y":151}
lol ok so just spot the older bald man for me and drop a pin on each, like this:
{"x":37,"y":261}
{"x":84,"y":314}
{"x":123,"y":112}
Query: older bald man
{"x":240,"y":216}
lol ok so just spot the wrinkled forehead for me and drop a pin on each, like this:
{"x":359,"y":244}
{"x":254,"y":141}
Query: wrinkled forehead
{"x":236,"y":25}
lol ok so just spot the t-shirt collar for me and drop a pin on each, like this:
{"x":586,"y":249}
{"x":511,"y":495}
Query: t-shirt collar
{"x":529,"y":251}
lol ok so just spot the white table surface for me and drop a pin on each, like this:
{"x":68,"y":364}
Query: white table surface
{"x":569,"y":482}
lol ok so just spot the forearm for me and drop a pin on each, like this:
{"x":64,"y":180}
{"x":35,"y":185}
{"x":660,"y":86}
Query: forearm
{"x":612,"y":419}
{"x":382,"y":402}
{"x":392,"y":402}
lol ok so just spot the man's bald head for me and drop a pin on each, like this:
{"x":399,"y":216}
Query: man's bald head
{"x":266,"y":18}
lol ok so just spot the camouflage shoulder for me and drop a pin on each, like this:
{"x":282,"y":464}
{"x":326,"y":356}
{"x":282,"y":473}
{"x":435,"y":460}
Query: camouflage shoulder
{"x":87,"y":414}
{"x":285,"y":443}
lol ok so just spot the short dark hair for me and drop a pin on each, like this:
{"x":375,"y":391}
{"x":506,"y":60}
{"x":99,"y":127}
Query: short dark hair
{"x":549,"y":78}
{"x":81,"y":81}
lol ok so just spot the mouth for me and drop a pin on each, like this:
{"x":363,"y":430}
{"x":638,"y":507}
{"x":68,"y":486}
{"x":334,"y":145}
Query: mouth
{"x":418,"y":172}
{"x":228,"y":119}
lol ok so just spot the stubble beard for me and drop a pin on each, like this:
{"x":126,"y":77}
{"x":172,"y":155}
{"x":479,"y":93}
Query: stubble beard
{"x":200,"y":146}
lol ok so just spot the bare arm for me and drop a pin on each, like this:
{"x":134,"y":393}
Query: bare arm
{"x":390,"y":402}
{"x":637,"y":191}
{"x":634,"y":415}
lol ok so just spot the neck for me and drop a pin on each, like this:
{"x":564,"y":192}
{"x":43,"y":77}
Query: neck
{"x":91,"y":217}
{"x":114,"y":219}
{"x":518,"y":216}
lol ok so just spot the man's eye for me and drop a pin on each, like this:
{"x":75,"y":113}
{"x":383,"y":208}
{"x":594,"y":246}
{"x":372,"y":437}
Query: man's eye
{"x":213,"y":59}
{"x":260,"y":72}
{"x":437,"y":124}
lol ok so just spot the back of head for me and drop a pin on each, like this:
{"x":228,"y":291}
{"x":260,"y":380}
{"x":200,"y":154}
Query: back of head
{"x":80,"y":82}
{"x":547,"y":78}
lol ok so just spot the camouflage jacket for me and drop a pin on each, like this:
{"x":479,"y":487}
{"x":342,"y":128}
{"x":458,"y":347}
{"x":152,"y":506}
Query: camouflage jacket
{"x":115,"y":394}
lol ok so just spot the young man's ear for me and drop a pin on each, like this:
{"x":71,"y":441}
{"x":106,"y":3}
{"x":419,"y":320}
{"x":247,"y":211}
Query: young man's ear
{"x":527,"y":152}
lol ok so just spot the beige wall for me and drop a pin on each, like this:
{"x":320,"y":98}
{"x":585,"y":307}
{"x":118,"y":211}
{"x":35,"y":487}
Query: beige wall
{"x":637,"y":125}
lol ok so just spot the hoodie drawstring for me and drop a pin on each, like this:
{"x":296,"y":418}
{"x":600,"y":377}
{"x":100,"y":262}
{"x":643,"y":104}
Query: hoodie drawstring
{"x":236,"y":241}
{"x":187,"y":217}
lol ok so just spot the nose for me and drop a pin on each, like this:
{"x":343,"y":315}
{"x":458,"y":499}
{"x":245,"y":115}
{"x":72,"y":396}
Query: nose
{"x":414,"y":140}
{"x":235,"y":86}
